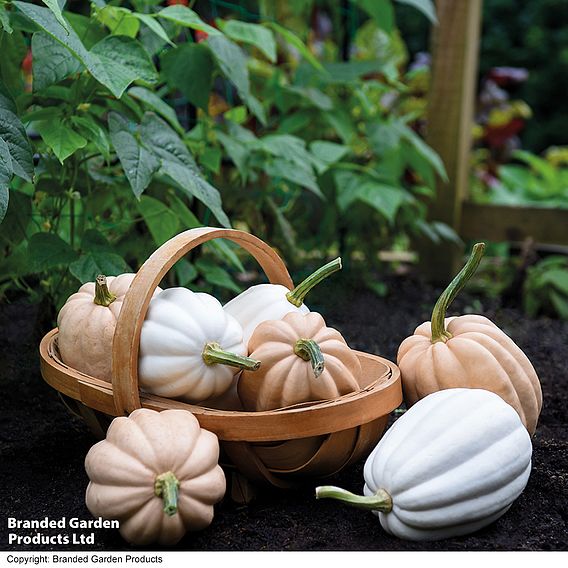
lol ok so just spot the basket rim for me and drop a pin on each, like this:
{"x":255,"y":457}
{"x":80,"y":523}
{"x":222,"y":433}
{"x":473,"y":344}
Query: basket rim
{"x":378,"y":399}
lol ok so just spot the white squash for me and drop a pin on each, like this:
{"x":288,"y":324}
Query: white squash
{"x":452,"y":464}
{"x":265,"y":302}
{"x":190,"y":348}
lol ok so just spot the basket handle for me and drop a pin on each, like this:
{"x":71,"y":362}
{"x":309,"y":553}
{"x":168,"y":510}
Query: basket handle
{"x":126,"y":341}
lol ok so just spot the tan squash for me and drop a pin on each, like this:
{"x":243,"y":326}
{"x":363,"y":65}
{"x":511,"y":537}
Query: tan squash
{"x":468,"y":351}
{"x":86,"y":324}
{"x":157,"y":474}
{"x":302,"y":360}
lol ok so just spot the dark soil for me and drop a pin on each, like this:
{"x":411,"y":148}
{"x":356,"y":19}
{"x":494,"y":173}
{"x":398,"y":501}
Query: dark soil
{"x":42,"y":446}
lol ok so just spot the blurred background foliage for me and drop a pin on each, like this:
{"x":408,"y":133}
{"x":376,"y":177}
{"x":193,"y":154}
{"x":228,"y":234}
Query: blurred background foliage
{"x":125,"y":122}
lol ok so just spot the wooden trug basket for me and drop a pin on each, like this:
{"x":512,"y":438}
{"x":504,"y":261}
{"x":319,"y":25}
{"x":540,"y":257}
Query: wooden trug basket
{"x":278,"y":446}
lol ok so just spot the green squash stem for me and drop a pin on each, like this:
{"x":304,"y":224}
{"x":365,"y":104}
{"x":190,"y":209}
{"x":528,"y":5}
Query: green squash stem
{"x":380,"y":501}
{"x":166,"y":486}
{"x":309,"y":350}
{"x":103,"y":296}
{"x":439,"y":332}
{"x":213,"y":355}
{"x":297,"y":295}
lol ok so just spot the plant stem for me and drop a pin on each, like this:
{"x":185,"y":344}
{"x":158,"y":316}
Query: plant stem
{"x":297,"y":295}
{"x":309,"y":350}
{"x":213,"y":354}
{"x":439,"y":332}
{"x":103,"y":296}
{"x":166,"y":486}
{"x":380,"y":501}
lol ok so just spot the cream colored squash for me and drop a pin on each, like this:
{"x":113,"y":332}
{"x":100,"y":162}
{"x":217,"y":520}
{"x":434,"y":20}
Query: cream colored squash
{"x":303,"y":360}
{"x":450,"y":465}
{"x":86,"y":324}
{"x":157,"y":474}
{"x":468,"y":351}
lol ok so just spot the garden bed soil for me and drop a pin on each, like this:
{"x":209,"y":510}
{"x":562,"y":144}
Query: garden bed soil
{"x":42,"y":446}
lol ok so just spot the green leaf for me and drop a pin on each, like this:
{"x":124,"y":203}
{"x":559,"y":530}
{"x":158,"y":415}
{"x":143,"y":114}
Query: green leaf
{"x":184,"y":16}
{"x":53,"y":5}
{"x":179,"y":165}
{"x":216,"y":275}
{"x":348,"y":71}
{"x":13,"y":133}
{"x":155,"y":103}
{"x":119,"y":20}
{"x":558,"y":278}
{"x":89,"y":265}
{"x":210,"y":158}
{"x":88,"y":29}
{"x":124,"y":61}
{"x":62,"y":139}
{"x":155,"y":26}
{"x":189,"y":68}
{"x":52,"y":62}
{"x":185,"y":271}
{"x":314,"y":96}
{"x":424,"y":6}
{"x":139,"y":163}
{"x":381,"y":11}
{"x":47,"y":250}
{"x":383,"y":198}
{"x":446,"y":232}
{"x":93,"y":132}
{"x":236,"y":151}
{"x":327,"y":152}
{"x":296,"y":43}
{"x":560,"y":304}
{"x":6,"y":173}
{"x":233,"y":64}
{"x":161,"y":221}
{"x":14,"y":228}
{"x":13,"y":48}
{"x":430,"y":155}
{"x":5,"y":19}
{"x":252,"y":34}
{"x":284,"y":169}
{"x":94,"y":241}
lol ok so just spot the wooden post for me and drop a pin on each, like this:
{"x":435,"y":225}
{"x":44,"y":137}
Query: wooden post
{"x":451,"y":100}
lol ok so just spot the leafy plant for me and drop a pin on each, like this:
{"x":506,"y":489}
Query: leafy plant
{"x":546,"y":287}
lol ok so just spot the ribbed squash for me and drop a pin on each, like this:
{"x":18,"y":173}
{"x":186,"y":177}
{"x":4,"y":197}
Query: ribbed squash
{"x":302,"y":360}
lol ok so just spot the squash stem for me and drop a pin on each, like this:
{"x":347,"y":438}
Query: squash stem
{"x":309,"y":350}
{"x":297,"y":295}
{"x":380,"y":501}
{"x":166,"y":486}
{"x":213,"y":354}
{"x":103,"y":296}
{"x":439,"y":332}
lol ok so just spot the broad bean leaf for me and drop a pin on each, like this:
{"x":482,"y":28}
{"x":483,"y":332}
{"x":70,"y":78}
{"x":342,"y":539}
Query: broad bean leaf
{"x":185,"y":271}
{"x":6,"y":172}
{"x":178,"y":164}
{"x":233,"y":64}
{"x":47,"y":250}
{"x":14,"y":228}
{"x":216,"y":275}
{"x":296,"y":43}
{"x":353,"y":187}
{"x":382,"y":11}
{"x":189,"y":68}
{"x":237,"y":151}
{"x":253,"y":34}
{"x":185,"y":16}
{"x":284,"y":169}
{"x":327,"y":153}
{"x":13,"y":48}
{"x":87,"y":127}
{"x":119,"y":20}
{"x":90,"y":264}
{"x":5,"y":20}
{"x":62,"y":139}
{"x":154,"y":26}
{"x":53,"y":5}
{"x":155,"y":103}
{"x":313,"y":96}
{"x":161,"y":221}
{"x":115,"y":61}
{"x":52,"y":62}
{"x":425,"y":6}
{"x":13,"y":133}
{"x":139,"y":163}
